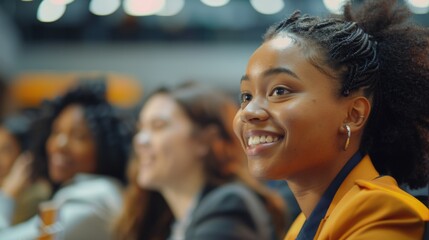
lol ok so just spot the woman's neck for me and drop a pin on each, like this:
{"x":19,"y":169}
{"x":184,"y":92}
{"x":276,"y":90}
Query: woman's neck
{"x":309,"y":187}
{"x":182,"y":195}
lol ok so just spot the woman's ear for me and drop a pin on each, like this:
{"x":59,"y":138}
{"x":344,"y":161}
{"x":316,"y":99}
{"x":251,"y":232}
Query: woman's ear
{"x":358,"y":113}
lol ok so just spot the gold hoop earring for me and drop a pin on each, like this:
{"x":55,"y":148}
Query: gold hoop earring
{"x":349,"y":133}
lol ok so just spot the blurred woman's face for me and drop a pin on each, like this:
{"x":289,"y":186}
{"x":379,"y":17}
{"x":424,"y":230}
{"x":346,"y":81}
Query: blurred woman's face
{"x":9,"y":151}
{"x":290,"y":117}
{"x":71,"y":146}
{"x":166,"y":148}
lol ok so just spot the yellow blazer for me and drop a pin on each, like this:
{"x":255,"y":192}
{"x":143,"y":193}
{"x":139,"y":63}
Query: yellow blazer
{"x":369,"y":207}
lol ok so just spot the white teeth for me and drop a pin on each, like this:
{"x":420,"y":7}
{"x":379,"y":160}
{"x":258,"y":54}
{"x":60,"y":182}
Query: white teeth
{"x":255,"y":140}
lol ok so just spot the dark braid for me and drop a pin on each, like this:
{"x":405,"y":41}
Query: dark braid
{"x":349,"y":50}
{"x":375,"y":50}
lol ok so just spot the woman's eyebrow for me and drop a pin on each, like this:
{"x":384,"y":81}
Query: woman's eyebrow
{"x":273,"y":71}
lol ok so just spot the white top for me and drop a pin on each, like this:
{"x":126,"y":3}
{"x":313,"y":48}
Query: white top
{"x":86,"y":207}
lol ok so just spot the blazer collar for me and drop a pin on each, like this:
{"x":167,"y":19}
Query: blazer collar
{"x":365,"y":170}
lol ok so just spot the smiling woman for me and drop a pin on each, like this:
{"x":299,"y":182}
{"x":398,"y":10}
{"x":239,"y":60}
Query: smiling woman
{"x":309,"y":98}
{"x":70,"y":146}
{"x":188,"y":179}
{"x":335,"y":105}
{"x":81,"y":146}
{"x":15,"y":164}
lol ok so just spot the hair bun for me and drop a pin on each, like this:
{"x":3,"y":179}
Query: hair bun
{"x":375,"y":16}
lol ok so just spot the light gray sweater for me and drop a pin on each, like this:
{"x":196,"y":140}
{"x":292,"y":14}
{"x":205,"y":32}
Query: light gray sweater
{"x":86,"y":206}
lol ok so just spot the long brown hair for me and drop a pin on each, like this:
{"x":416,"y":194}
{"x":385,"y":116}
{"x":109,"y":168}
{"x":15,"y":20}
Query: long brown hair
{"x":146,"y":214}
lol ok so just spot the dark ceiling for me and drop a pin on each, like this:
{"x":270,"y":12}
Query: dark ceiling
{"x":236,"y":21}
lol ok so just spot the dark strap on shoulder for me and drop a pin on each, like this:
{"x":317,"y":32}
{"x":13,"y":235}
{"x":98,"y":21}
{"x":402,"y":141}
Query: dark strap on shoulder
{"x":256,"y":208}
{"x":426,"y":233}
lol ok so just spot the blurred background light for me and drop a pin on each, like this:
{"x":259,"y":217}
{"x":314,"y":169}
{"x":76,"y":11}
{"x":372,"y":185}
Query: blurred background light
{"x":61,"y":2}
{"x":171,"y":7}
{"x":418,"y":6}
{"x":143,"y":8}
{"x":104,"y":7}
{"x":215,"y":3}
{"x":267,"y":6}
{"x":335,"y":6}
{"x":50,"y":12}
{"x":165,"y":20}
{"x":194,"y":42}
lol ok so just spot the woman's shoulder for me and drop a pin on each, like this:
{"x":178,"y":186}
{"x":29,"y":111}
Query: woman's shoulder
{"x":91,"y":189}
{"x":231,"y":206}
{"x":230,"y":196}
{"x":374,"y":208}
{"x":384,"y":191}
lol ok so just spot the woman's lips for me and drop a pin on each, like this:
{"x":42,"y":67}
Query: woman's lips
{"x":258,"y":141}
{"x":59,"y":161}
{"x":258,"y":149}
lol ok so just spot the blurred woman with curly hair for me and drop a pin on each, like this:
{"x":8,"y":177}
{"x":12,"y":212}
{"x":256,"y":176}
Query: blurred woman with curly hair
{"x":81,"y":146}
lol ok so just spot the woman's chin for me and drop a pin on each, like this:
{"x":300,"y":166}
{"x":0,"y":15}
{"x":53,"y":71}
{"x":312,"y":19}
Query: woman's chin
{"x":58,"y":177}
{"x":146,"y":182}
{"x":265,"y":172}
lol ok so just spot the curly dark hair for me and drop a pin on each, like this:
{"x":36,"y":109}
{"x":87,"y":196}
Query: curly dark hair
{"x":112,"y":134}
{"x":375,"y":49}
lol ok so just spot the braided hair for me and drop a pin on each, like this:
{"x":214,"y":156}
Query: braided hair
{"x":112,"y":135}
{"x":374,"y":49}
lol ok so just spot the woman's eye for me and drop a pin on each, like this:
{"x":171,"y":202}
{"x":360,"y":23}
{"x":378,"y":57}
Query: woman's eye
{"x":279,"y":91}
{"x":54,"y":132}
{"x":245,"y":97}
{"x":80,"y":135}
{"x":159,"y":124}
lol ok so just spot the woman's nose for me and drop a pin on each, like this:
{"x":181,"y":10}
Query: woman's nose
{"x":62,"y":140}
{"x":254,"y":111}
{"x":141,"y":138}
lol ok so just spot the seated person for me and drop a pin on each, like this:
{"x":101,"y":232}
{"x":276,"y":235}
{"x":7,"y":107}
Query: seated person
{"x":81,"y":147}
{"x":14,"y":160}
{"x":189,"y":180}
